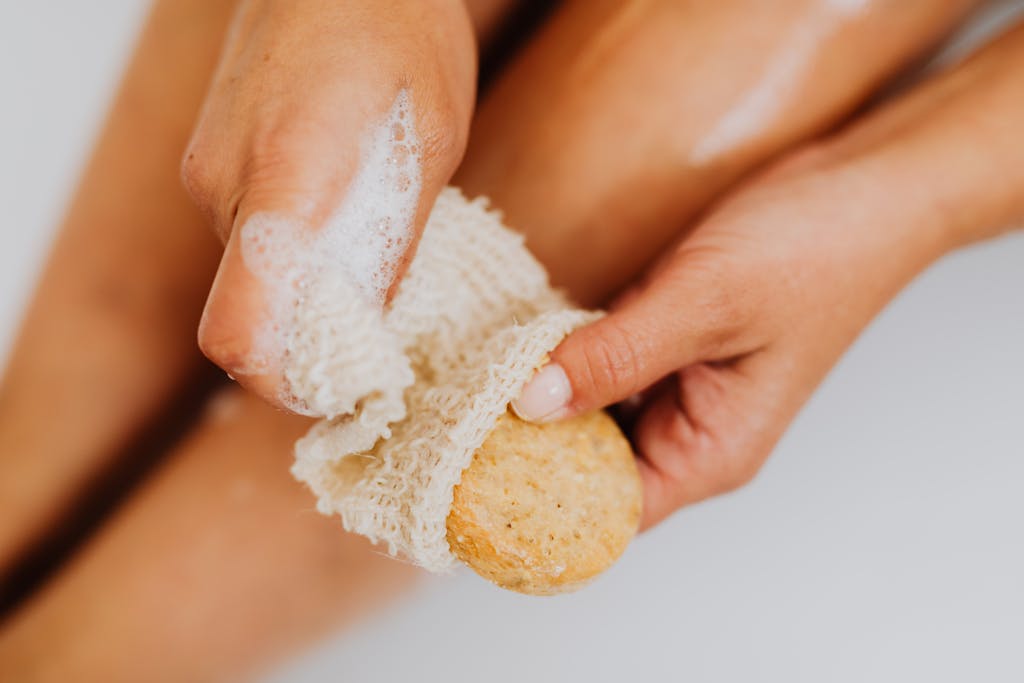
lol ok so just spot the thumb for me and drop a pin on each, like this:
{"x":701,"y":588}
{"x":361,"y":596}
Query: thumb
{"x":680,"y":318}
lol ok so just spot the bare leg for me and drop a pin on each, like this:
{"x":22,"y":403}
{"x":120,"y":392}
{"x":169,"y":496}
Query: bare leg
{"x":218,"y":566}
{"x":195,"y":564}
{"x":109,"y":336}
{"x":622,"y":120}
{"x":222,"y":539}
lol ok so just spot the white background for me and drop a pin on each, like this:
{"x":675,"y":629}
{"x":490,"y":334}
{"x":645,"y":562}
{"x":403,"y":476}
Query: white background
{"x":884,"y":541}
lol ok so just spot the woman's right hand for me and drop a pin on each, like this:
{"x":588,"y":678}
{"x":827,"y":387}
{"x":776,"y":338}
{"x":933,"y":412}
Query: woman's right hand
{"x":323,"y":118}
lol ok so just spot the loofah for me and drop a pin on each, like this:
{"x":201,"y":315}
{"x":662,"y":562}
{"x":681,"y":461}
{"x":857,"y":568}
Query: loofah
{"x":423,"y":383}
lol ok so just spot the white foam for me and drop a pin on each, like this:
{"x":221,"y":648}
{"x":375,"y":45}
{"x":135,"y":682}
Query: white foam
{"x":782,"y":76}
{"x":373,"y":227}
{"x":307,"y":271}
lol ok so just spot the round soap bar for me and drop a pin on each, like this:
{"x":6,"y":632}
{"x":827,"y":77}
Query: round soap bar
{"x":542,"y":509}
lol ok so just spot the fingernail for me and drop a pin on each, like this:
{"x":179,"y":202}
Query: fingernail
{"x":545,"y":397}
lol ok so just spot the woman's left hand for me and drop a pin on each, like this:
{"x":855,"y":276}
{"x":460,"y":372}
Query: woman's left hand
{"x":731,"y":332}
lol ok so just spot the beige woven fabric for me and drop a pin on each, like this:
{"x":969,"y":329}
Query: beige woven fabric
{"x":473,"y":318}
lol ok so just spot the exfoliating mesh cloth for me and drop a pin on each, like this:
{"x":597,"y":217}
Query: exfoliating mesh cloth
{"x":416,"y":388}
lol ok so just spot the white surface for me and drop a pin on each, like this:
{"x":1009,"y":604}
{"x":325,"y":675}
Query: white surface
{"x":882,"y":542}
{"x":59,"y":63}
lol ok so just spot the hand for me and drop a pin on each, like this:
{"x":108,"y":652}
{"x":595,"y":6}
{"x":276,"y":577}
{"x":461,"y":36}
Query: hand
{"x":331,"y":126}
{"x":730,"y":333}
{"x":132,"y":274}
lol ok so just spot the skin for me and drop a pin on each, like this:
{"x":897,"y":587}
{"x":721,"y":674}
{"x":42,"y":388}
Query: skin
{"x":291,"y":72}
{"x":42,"y":627}
{"x":596,"y":213}
{"x":117,"y":276}
{"x":260,"y":144}
{"x":129,"y":271}
{"x":731,"y":332}
{"x":192,"y":563}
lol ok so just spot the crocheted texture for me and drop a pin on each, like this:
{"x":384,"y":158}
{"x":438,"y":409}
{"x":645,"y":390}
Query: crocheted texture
{"x":472,"y":320}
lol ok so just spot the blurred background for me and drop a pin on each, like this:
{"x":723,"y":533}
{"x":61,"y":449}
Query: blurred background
{"x":883,"y":541}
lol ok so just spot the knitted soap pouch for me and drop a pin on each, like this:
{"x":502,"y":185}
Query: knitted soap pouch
{"x":422,"y":384}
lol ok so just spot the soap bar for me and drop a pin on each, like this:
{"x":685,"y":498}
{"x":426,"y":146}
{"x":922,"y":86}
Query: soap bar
{"x":544,"y":508}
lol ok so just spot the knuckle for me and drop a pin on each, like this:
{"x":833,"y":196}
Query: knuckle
{"x":199,"y":178}
{"x":195,"y":174}
{"x":720,"y":465}
{"x":737,"y":473}
{"x":223,"y":345}
{"x":612,"y":361}
{"x":732,"y":466}
{"x":443,"y":138}
{"x":723,"y":308}
{"x":725,"y":305}
{"x":274,"y":148}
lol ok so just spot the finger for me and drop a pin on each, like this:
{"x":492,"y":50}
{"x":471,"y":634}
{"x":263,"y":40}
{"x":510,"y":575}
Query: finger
{"x":696,"y":309}
{"x":221,"y":555}
{"x":609,"y":132}
{"x":347,"y":134}
{"x":710,"y":431}
{"x":108,"y":339}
